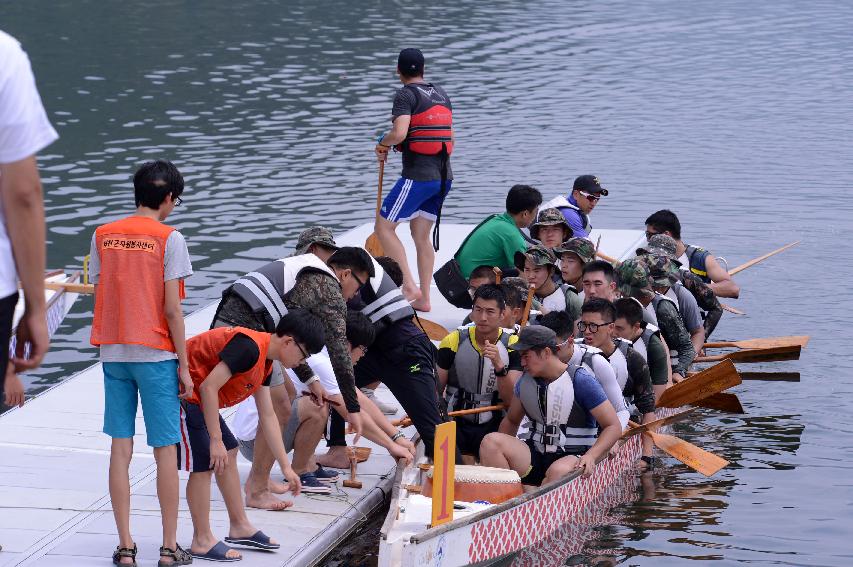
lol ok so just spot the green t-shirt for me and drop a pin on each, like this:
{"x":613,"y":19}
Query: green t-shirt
{"x":493,"y":244}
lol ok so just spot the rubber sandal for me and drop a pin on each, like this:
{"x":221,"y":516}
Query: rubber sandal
{"x":217,"y":553}
{"x":124,"y":552}
{"x":179,"y":556}
{"x":259,"y":541}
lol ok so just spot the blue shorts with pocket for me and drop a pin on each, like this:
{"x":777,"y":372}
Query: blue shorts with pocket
{"x":409,"y":199}
{"x":194,"y":447}
{"x":156,"y":383}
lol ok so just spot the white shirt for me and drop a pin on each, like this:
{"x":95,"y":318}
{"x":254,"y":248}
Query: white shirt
{"x":606,"y":376}
{"x":24,"y":131}
{"x":556,"y":301}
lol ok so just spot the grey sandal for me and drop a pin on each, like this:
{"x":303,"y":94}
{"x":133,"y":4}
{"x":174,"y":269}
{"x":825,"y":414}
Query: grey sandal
{"x":179,"y":556}
{"x":124,"y":552}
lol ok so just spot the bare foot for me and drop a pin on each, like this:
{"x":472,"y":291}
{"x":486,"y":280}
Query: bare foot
{"x":411,"y":292}
{"x":279,"y":487}
{"x":336,"y":458}
{"x":266,"y":501}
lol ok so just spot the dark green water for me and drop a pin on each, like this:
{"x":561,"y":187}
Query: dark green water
{"x":735,"y":114}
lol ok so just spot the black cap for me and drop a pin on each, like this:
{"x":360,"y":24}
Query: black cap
{"x":535,"y":336}
{"x":411,"y":62}
{"x":589,"y":184}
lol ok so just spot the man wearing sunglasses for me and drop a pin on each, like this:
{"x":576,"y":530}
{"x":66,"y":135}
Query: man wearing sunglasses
{"x":586,"y":192}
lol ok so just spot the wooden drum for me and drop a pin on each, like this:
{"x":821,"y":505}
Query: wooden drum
{"x":473,"y":482}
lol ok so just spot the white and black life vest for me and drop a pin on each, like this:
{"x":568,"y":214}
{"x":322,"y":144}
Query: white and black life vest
{"x":641,"y":345}
{"x":385,"y":304}
{"x":264,"y":289}
{"x":557,"y":421}
{"x":561,"y":203}
{"x":471,"y":379}
{"x":695,"y":258}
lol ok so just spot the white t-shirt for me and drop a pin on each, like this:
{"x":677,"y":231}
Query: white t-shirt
{"x":24,"y":131}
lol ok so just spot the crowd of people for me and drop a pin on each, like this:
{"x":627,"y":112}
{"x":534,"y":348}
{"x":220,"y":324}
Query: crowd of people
{"x":569,"y":344}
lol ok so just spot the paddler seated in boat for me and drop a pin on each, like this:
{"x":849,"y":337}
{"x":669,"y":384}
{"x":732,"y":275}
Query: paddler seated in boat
{"x":645,"y":339}
{"x":698,"y":260}
{"x":538,"y":265}
{"x":574,"y":254}
{"x":308,"y":419}
{"x":706,"y":299}
{"x":586,"y":192}
{"x":599,"y":281}
{"x":566,"y":407}
{"x":478,"y":368}
{"x":634,"y":280}
{"x":227,"y":365}
{"x":597,"y":323}
{"x":481,"y":275}
{"x":515,"y":293}
{"x":576,"y":353}
{"x":495,"y":240}
{"x":550,"y":228}
{"x":321,"y":283}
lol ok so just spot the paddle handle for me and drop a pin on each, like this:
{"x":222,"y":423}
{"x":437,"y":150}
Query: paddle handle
{"x":407,"y":421}
{"x":713,"y":358}
{"x":607,"y":258}
{"x":753,"y":262}
{"x":71,"y":287}
{"x":498,"y":275}
{"x":379,"y":189}
{"x":721,"y":345}
{"x":527,"y":306}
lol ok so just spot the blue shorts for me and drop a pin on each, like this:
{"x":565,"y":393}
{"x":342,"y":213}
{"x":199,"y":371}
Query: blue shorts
{"x":157,"y":384}
{"x":410,"y":199}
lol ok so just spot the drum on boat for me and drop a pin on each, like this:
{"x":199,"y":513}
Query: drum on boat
{"x":473,"y":483}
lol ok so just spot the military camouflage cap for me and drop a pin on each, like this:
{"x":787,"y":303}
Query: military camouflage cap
{"x":583,"y":248}
{"x":315,"y":235}
{"x":540,"y":255}
{"x":662,"y":271}
{"x":660,"y":245}
{"x":549,"y":217}
{"x":632,"y":275}
{"x":517,"y":283}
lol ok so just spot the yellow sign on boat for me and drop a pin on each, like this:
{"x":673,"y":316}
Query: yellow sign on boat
{"x":444,"y":473}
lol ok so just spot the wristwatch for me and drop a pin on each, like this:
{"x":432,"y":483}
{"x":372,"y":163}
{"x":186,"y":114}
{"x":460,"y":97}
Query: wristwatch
{"x":503,"y":371}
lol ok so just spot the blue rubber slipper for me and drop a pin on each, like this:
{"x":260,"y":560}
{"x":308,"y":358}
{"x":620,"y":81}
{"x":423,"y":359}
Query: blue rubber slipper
{"x":259,"y":541}
{"x":217,"y":553}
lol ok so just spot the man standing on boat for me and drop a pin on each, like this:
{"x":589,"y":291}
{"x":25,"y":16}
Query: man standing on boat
{"x":24,"y":131}
{"x":422,"y":130}
{"x":586,"y":192}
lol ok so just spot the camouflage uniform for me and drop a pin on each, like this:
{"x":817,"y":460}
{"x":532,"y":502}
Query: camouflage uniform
{"x":542,"y":256}
{"x":551,"y":217}
{"x":581,"y":247}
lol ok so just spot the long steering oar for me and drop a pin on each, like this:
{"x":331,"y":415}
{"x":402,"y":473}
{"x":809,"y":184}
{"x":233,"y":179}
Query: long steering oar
{"x":697,"y":459}
{"x":434,"y":331}
{"x":407,"y":421}
{"x":704,"y":384}
{"x":372,"y":244}
{"x":770,"y":342}
{"x":773,"y":354}
{"x":753,"y":262}
{"x":71,"y":287}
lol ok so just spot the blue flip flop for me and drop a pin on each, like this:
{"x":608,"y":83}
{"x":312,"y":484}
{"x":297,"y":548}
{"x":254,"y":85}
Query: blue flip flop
{"x":259,"y":540}
{"x":216,"y":553}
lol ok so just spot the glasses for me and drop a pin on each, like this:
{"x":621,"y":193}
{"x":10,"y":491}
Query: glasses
{"x":178,"y":201}
{"x":590,"y":196}
{"x":593,"y":327}
{"x":302,"y":350}
{"x":360,"y":283}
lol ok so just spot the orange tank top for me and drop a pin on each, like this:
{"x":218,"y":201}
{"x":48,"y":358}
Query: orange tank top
{"x":131,"y":296}
{"x":203,"y":354}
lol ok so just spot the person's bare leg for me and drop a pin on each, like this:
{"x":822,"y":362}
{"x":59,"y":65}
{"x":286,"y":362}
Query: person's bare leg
{"x":559,"y":469}
{"x":258,"y":494}
{"x":168,"y":494}
{"x":336,"y":457}
{"x":229,"y":485}
{"x":421,"y":228}
{"x":198,"y":499}
{"x":119,"y":484}
{"x":505,"y":452}
{"x":308,"y":435}
{"x":393,"y":247}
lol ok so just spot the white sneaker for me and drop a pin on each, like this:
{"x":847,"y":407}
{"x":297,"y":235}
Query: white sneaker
{"x":387,"y":409}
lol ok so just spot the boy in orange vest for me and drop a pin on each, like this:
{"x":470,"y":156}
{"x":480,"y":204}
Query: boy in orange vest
{"x":138,"y":265}
{"x":227,"y":365}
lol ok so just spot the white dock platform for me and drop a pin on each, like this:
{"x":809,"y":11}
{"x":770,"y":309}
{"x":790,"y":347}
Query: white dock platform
{"x":55,"y":506}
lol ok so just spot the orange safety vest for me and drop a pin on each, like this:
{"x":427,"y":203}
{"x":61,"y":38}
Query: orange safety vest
{"x":130,"y":303}
{"x":203,"y":354}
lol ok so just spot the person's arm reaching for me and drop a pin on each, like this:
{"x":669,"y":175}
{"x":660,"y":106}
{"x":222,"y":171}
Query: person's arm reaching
{"x":511,"y":422}
{"x":721,"y":282}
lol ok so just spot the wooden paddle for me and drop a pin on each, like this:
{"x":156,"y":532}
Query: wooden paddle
{"x":434,"y":331}
{"x":71,"y":287}
{"x":731,"y":309}
{"x":704,"y":384}
{"x":774,"y":354}
{"x":527,"y":306}
{"x":753,"y":262}
{"x":407,"y":421}
{"x":771,"y":376}
{"x":372,"y":244}
{"x":722,"y":401}
{"x":770,"y":342}
{"x":498,"y":275}
{"x":607,"y":258}
{"x":697,"y":459}
{"x":657,"y":423}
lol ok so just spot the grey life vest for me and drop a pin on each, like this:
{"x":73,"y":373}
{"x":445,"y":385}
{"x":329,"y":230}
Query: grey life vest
{"x":471,"y":380}
{"x":641,"y":345}
{"x":264,"y":289}
{"x":385,"y":302}
{"x":558,"y":422}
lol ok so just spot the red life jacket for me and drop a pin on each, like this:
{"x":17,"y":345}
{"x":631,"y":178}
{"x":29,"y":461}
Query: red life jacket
{"x":431,"y":124}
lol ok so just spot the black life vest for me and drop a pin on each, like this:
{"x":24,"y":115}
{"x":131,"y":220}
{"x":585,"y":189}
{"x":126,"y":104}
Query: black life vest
{"x":431,"y":125}
{"x":385,"y":304}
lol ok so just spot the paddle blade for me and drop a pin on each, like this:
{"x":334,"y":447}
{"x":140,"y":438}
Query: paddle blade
{"x":434,"y":331}
{"x":653,"y":425}
{"x":731,"y":309}
{"x":373,"y":246}
{"x":710,"y":381}
{"x":771,"y":376}
{"x":697,"y":459}
{"x":721,"y":401}
{"x":776,"y":354}
{"x":770,"y":342}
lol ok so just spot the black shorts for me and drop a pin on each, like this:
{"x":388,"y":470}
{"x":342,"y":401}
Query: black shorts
{"x":470,"y":435}
{"x":539,"y":465}
{"x":194,"y":447}
{"x":7,"y":311}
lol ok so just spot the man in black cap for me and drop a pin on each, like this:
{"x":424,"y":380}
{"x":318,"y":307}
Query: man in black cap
{"x":586,"y":191}
{"x":423,"y":131}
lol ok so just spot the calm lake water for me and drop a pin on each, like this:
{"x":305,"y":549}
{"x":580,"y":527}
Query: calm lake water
{"x":734,"y":114}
